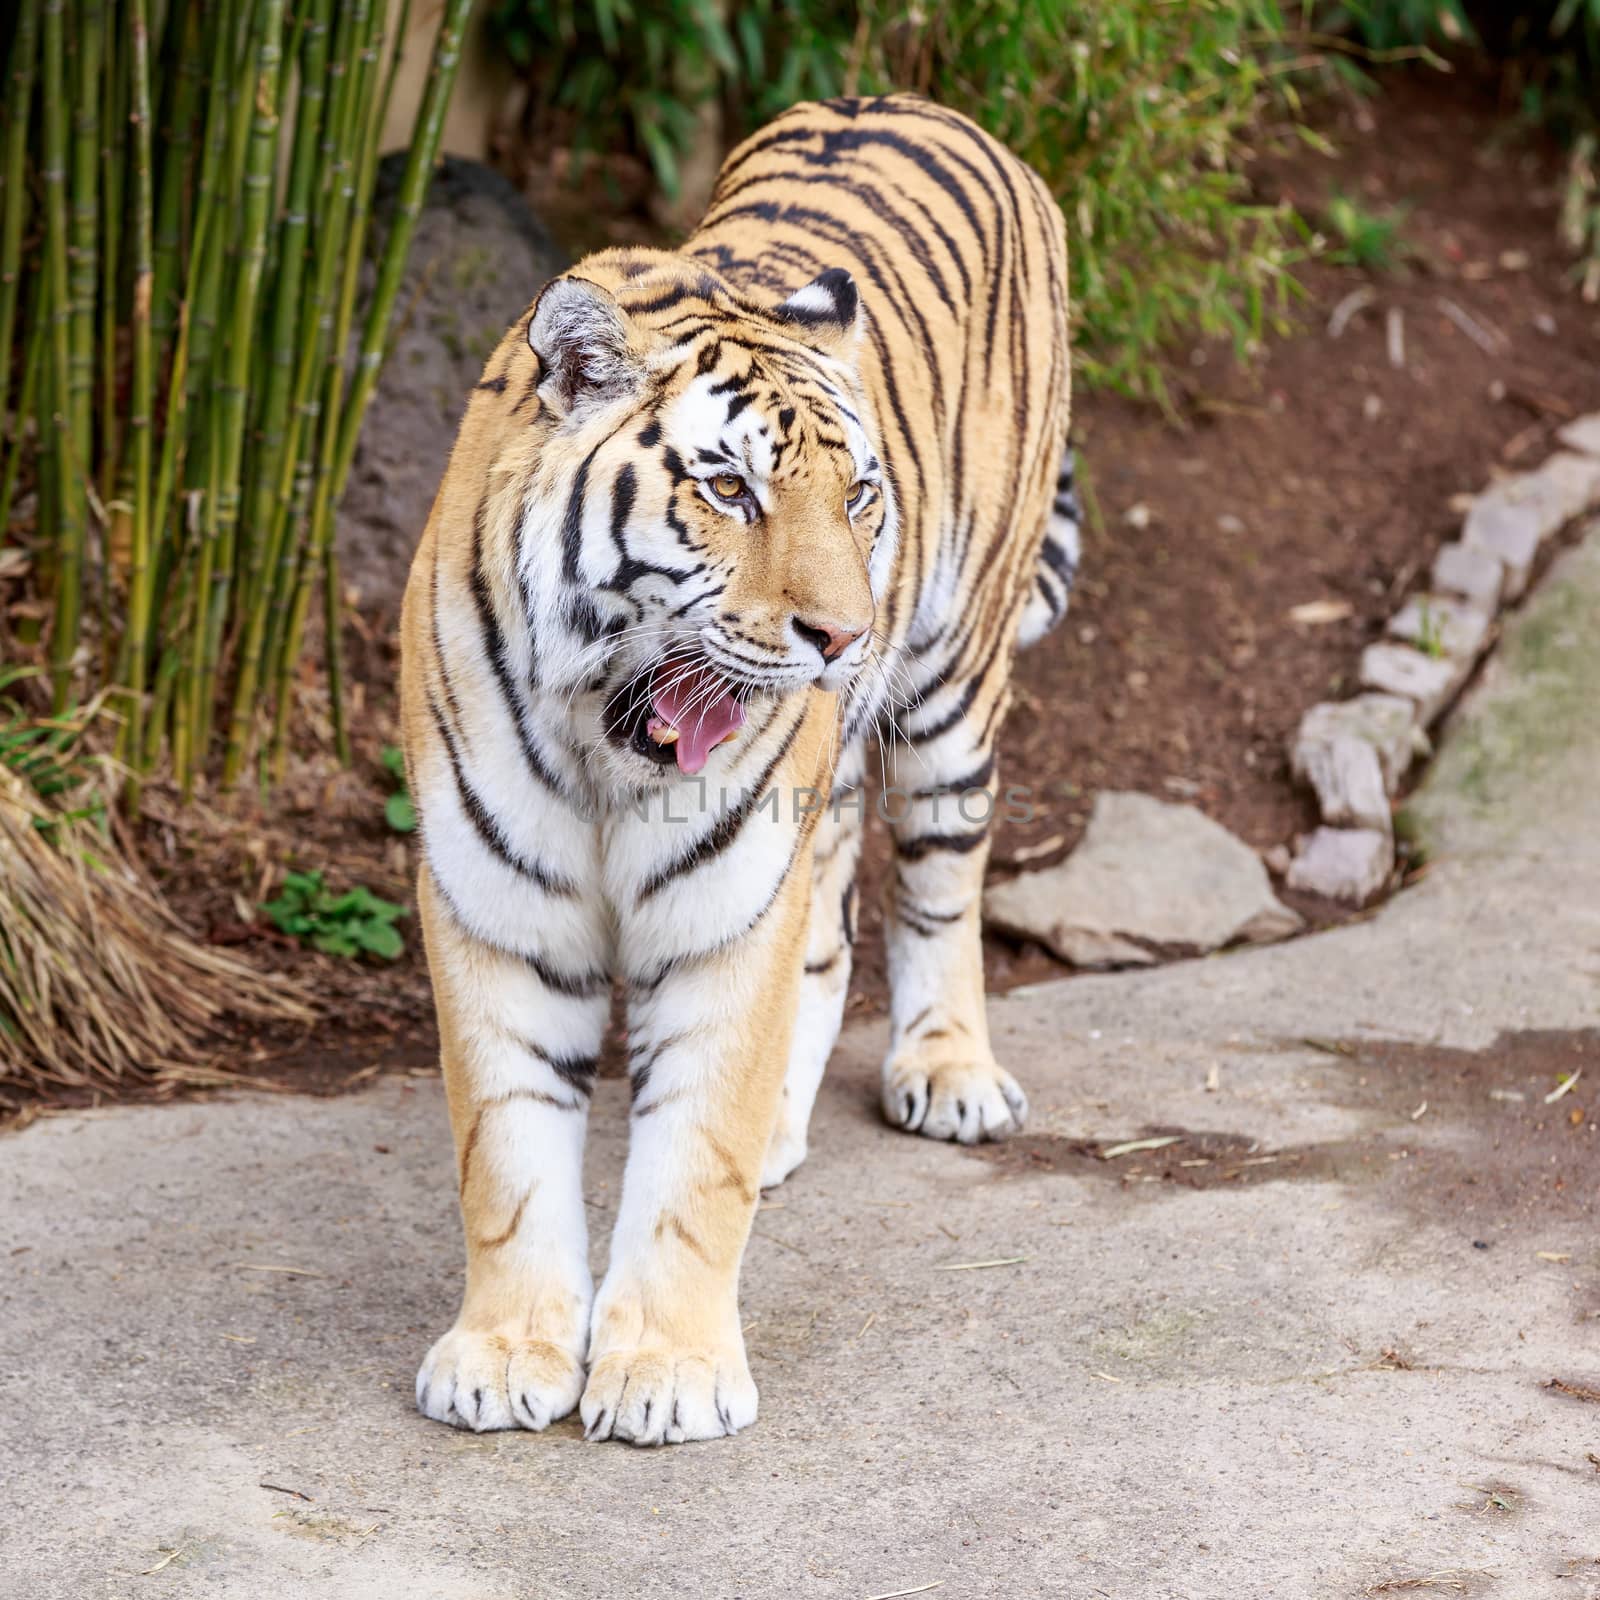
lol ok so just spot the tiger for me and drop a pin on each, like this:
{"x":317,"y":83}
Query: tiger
{"x":718,"y":520}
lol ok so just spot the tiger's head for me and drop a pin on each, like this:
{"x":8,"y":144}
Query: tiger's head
{"x":726,"y":523}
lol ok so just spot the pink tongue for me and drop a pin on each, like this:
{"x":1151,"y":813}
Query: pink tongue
{"x":694,"y":701}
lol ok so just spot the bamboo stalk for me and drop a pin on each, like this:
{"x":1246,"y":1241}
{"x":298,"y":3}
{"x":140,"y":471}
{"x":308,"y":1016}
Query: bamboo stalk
{"x":413,"y":190}
{"x":206,"y":209}
{"x":321,"y":140}
{"x":332,"y":590}
{"x":55,"y":420}
{"x":89,"y":43}
{"x":33,"y":364}
{"x":113,"y":88}
{"x":342,"y":422}
{"x":228,"y":145}
{"x":142,"y":394}
{"x":333,"y":648}
{"x":244,"y":290}
{"x":184,"y":67}
{"x":117,"y":529}
{"x":325,"y":335}
{"x":13,"y":209}
{"x":172,"y":534}
{"x":272,"y":419}
{"x":339,"y":313}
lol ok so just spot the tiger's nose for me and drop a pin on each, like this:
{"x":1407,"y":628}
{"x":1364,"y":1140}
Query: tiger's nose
{"x":828,"y":637}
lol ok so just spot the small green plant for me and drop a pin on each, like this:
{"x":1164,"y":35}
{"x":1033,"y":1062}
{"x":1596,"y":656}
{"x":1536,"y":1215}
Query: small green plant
{"x":1140,"y":114}
{"x":47,"y":754}
{"x":354,"y":923}
{"x":1384,"y":25}
{"x":398,"y":810}
{"x":1430,"y":635}
{"x":1366,"y":238}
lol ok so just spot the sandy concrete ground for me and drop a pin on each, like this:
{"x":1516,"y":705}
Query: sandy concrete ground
{"x":1315,"y":1365}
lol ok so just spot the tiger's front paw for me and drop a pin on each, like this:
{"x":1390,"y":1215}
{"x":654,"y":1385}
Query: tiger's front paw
{"x":486,"y":1381}
{"x":965,"y":1100}
{"x":657,"y":1394}
{"x":655,"y":1380}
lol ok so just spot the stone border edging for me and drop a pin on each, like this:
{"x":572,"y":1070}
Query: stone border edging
{"x":1354,"y":753}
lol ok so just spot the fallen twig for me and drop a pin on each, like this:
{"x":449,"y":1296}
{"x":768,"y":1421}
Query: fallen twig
{"x":1578,"y":1391}
{"x":1356,"y":300}
{"x":1131,"y":1145}
{"x":1394,"y":327}
{"x":975,"y":1266}
{"x":165,"y":1561}
{"x":1485,"y":335}
{"x":1563,"y":1087}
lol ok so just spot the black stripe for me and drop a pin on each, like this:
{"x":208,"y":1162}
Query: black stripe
{"x":978,"y":778}
{"x":727,"y":829}
{"x":572,"y":522}
{"x":925,"y":844}
{"x":577,"y":1072}
{"x":575,"y":986}
{"x":946,"y":722}
{"x":487,"y":826}
{"x":665,"y":301}
{"x":494,"y":646}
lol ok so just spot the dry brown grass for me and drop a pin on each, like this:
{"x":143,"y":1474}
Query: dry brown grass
{"x":99,"y":983}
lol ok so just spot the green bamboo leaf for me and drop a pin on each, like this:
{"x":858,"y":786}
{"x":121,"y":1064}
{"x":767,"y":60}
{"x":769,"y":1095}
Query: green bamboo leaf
{"x":381,"y":940}
{"x":400,"y":813}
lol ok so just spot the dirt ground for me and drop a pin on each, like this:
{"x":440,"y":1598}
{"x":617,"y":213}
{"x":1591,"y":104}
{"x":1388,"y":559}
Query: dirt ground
{"x":1373,"y":1370}
{"x":1322,"y":473}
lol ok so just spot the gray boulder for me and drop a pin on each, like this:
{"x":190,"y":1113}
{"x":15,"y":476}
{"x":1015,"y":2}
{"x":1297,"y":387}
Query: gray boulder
{"x":1147,"y":876}
{"x":1343,"y":863}
{"x":478,"y":257}
{"x":1387,"y":722}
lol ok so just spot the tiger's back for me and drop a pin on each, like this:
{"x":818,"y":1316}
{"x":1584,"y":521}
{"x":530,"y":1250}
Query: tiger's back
{"x":960,"y":253}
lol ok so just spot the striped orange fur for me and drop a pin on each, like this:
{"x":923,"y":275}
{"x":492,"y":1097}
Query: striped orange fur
{"x":716,"y":518}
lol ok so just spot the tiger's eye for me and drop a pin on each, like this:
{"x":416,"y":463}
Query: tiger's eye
{"x":728,"y":486}
{"x":858,"y":493}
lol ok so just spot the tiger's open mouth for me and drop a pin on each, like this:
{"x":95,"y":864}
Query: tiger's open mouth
{"x":684,"y":711}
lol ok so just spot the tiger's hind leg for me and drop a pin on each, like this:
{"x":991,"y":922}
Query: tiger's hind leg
{"x":825,"y":981}
{"x":940,"y":1077}
{"x":1059,"y":554}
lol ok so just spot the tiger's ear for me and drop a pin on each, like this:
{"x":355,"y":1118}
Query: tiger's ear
{"x":826,"y":313}
{"x":580,"y":335}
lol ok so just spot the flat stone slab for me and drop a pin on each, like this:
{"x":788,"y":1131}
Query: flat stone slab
{"x":1510,"y":533}
{"x":1564,"y":486}
{"x":1388,"y":722}
{"x":1437,"y":623}
{"x":1473,"y":574}
{"x":1347,"y":778}
{"x":1147,"y":873}
{"x":1583,"y":433}
{"x":1510,"y":520}
{"x":1429,"y":682}
{"x":1350,"y":864}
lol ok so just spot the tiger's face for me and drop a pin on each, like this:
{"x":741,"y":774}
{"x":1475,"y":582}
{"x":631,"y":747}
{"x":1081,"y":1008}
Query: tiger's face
{"x":727,"y":522}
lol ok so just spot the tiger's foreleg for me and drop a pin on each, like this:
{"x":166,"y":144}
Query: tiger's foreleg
{"x":940,"y":1077}
{"x":825,"y":977}
{"x":518,"y":1049}
{"x":709,"y":1043}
